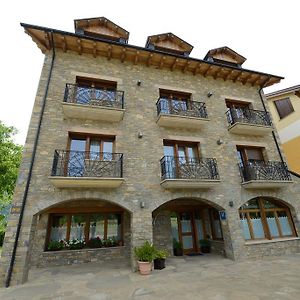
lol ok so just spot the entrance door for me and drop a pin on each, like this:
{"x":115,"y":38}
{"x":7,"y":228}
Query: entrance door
{"x":187,"y":233}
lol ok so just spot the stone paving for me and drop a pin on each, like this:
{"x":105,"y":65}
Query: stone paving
{"x":201,"y":277}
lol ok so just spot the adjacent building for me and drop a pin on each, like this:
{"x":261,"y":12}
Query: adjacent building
{"x":129,"y":143}
{"x":285,"y":109}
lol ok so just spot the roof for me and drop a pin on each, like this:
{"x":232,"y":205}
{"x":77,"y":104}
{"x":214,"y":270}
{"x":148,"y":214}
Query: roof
{"x":169,"y":41}
{"x":227,"y":54}
{"x":292,"y":89}
{"x":48,"y":38}
{"x":101,"y":26}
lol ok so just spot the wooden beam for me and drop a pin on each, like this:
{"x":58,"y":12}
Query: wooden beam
{"x":40,"y":44}
{"x":64,"y":43}
{"x":238,"y":76}
{"x":47,"y":41}
{"x":186,"y":66}
{"x":109,"y":52}
{"x":79,"y":46}
{"x":149,"y":59}
{"x":228,"y":74}
{"x":244,"y":81}
{"x":196,"y":68}
{"x":265,"y":81}
{"x":255,"y":80}
{"x":123,"y":55}
{"x":207,"y":70}
{"x":94,"y":49}
{"x":136,"y":58}
{"x":162,"y":61}
{"x":174,"y":64}
{"x":219,"y":70}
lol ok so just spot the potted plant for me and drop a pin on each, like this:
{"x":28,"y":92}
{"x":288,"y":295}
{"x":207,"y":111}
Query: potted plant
{"x":76,"y":244}
{"x":95,"y":242}
{"x":145,"y":256}
{"x":160,"y":259}
{"x":205,"y":245}
{"x":177,"y":247}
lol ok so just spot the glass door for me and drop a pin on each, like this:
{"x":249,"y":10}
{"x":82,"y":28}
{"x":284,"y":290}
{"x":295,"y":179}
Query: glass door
{"x":187,"y":232}
{"x":76,"y":157}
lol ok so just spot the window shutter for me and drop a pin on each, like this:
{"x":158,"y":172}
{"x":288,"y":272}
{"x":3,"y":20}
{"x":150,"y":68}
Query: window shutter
{"x":284,"y":107}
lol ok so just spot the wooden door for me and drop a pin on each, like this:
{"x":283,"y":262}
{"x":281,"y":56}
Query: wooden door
{"x":187,"y":232}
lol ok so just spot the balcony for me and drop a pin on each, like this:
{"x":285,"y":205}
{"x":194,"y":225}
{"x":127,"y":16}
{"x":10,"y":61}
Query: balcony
{"x":181,"y":114}
{"x":92,"y":103}
{"x":80,"y":169}
{"x":248,"y":121}
{"x":263,"y":175}
{"x":179,"y":172}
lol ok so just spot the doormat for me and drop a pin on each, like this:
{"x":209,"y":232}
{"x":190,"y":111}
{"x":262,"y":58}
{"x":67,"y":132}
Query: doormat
{"x":194,"y":254}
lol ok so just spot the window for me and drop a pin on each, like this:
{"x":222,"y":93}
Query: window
{"x":284,"y":107}
{"x":237,"y":110}
{"x":184,"y":151}
{"x":172,"y":101}
{"x":216,"y":228}
{"x":250,"y":155}
{"x":266,"y":219}
{"x":86,"y":152}
{"x":85,"y":226}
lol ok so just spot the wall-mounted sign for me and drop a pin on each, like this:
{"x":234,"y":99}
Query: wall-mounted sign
{"x":222,"y":215}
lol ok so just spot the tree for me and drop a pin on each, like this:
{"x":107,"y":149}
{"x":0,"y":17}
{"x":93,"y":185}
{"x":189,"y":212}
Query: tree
{"x":10,"y":158}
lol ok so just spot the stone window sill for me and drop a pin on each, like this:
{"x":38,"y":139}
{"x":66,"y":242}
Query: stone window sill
{"x":82,"y":250}
{"x":271,"y":241}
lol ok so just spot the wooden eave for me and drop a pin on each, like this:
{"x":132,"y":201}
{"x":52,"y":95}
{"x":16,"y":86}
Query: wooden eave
{"x":81,"y":44}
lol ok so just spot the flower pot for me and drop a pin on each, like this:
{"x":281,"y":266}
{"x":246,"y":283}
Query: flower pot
{"x":159,"y":263}
{"x":178,"y":251}
{"x":144,"y":267}
{"x":205,"y":249}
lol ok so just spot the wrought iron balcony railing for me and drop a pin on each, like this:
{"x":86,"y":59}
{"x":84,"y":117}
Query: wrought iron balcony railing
{"x":246,"y":115}
{"x":181,"y":108}
{"x":259,"y":170}
{"x":87,"y":164}
{"x":181,"y":168}
{"x":93,"y":96}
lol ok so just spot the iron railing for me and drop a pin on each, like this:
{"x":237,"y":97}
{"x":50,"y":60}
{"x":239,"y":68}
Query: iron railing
{"x":87,"y":164}
{"x":93,"y":96}
{"x":173,"y":167}
{"x":246,"y":115}
{"x":181,"y":108}
{"x":260,"y":170}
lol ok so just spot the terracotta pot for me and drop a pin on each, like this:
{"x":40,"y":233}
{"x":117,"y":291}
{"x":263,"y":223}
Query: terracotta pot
{"x":144,"y":267}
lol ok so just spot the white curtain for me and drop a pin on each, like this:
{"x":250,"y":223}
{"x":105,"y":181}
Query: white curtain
{"x":285,"y":226}
{"x":58,"y":233}
{"x":273,"y":226}
{"x":245,"y":229}
{"x":77,"y":233}
{"x":258,"y":229}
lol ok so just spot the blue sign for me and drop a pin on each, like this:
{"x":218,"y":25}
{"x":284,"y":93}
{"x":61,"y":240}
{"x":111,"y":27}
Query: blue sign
{"x":222,"y":215}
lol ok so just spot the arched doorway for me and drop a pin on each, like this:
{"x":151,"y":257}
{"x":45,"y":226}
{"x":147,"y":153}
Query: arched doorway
{"x":266,"y":218}
{"x":191,"y":223}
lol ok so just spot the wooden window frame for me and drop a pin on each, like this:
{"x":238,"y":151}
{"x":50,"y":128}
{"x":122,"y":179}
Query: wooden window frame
{"x":262,"y":210}
{"x":243,"y":150}
{"x":101,"y":84}
{"x":186,"y":145}
{"x":289,"y":107}
{"x":87,"y":213}
{"x":237,"y":104}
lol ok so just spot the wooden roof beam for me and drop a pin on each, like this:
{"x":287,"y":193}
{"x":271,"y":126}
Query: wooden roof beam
{"x":256,"y":80}
{"x":162,"y":61}
{"x":123,"y":55}
{"x":228,"y":74}
{"x":196,"y":68}
{"x":207,"y":70}
{"x":186,"y":66}
{"x":109,"y":52}
{"x":95,"y":49}
{"x":136,"y":58}
{"x":47,"y":40}
{"x":219,"y":71}
{"x":149,"y":59}
{"x":174,"y":64}
{"x":265,"y":81}
{"x":39,"y":43}
{"x":239,"y":75}
{"x":64,"y":43}
{"x":244,"y":81}
{"x":79,"y":46}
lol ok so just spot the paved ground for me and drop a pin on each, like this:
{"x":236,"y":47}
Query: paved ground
{"x":203,"y":277}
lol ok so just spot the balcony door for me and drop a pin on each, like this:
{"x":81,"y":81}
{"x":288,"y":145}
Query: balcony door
{"x":238,"y":110}
{"x":86,"y":152}
{"x":180,"y":157}
{"x":173,"y":102}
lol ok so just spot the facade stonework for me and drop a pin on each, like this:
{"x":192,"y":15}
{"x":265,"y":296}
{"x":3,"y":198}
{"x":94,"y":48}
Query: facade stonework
{"x":141,"y":167}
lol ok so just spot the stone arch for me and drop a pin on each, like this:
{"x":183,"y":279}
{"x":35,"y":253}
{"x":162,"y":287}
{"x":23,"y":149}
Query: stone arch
{"x":203,"y":219}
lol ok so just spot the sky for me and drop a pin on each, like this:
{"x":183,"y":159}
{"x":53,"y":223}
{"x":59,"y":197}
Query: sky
{"x":265,"y":32}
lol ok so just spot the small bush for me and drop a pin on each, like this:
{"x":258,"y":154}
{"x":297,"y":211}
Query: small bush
{"x":145,"y":252}
{"x":76,"y":244}
{"x":55,"y":245}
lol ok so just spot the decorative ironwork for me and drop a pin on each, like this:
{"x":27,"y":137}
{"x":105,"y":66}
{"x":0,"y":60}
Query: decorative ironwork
{"x":246,"y":115}
{"x":87,"y":164}
{"x":259,"y":170}
{"x":93,"y":96}
{"x":181,"y":107}
{"x":173,"y":167}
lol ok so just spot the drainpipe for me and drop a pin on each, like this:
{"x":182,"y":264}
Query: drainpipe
{"x":13,"y":256}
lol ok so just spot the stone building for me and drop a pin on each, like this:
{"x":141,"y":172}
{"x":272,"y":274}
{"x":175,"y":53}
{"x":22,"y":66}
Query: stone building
{"x":285,"y":109}
{"x":129,"y":143}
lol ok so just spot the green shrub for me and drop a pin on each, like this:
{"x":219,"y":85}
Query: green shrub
{"x":160,"y":254}
{"x":145,"y":253}
{"x":55,"y":245}
{"x":2,"y":233}
{"x":95,"y":243}
{"x":76,"y":244}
